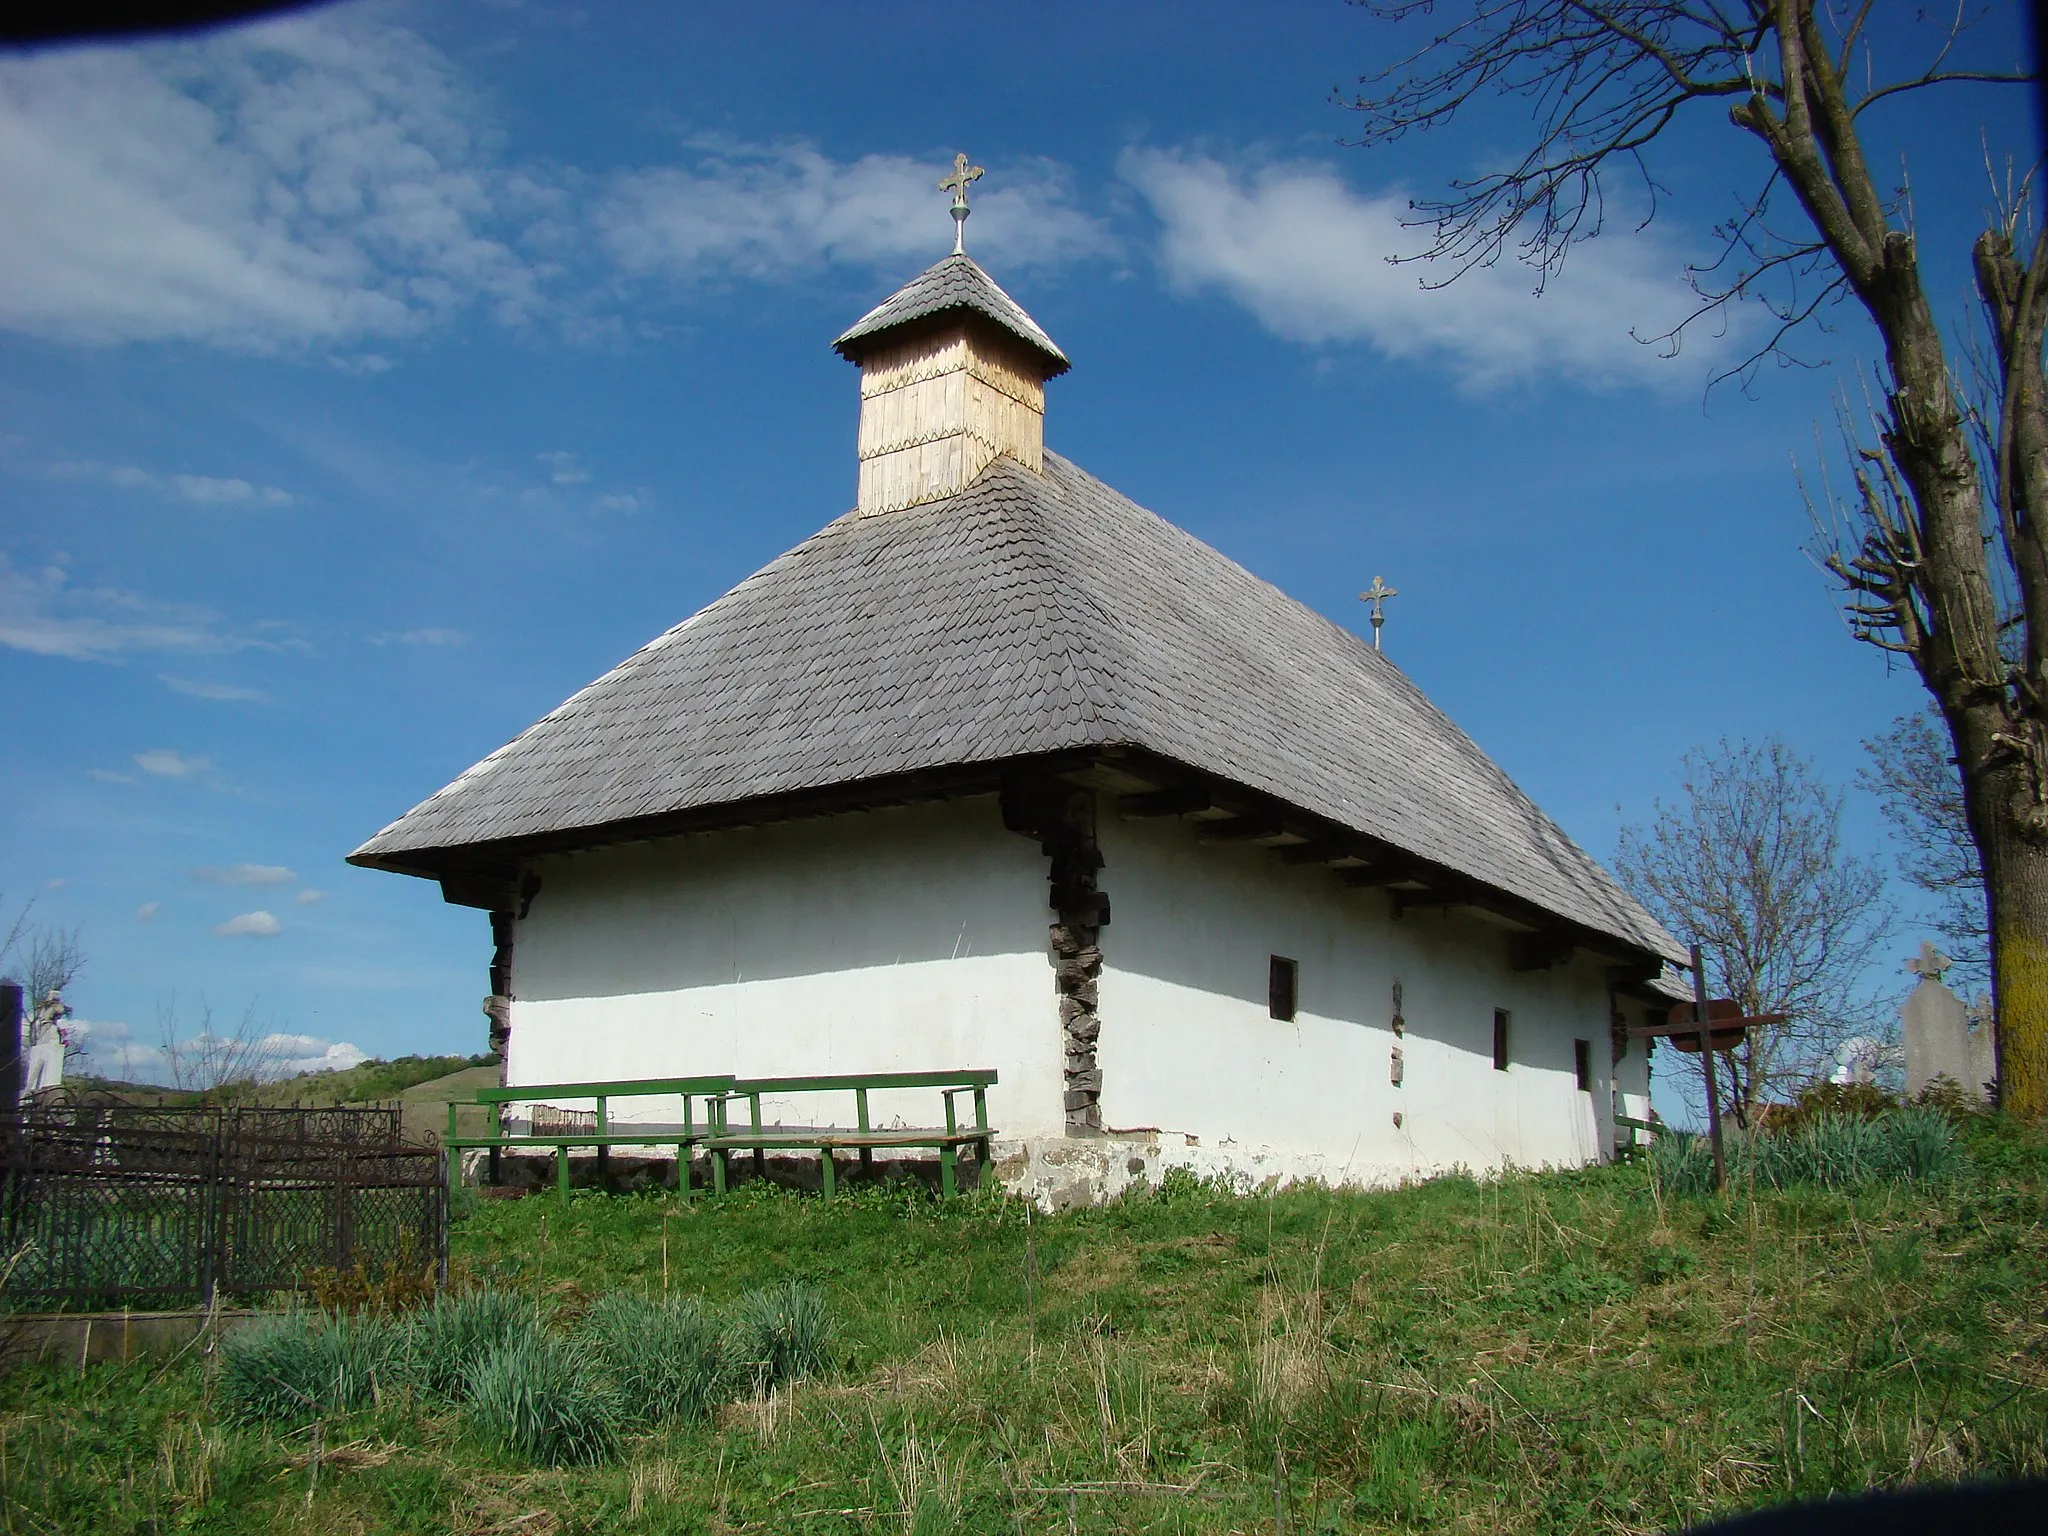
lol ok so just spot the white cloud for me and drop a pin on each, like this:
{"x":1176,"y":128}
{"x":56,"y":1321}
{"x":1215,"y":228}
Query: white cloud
{"x":307,"y":897}
{"x":246,"y":874}
{"x":125,"y":476}
{"x":206,"y":490}
{"x":112,"y":1051}
{"x":310,"y":179}
{"x":618,"y":501}
{"x":108,"y":776}
{"x":257,"y":925}
{"x":1307,"y":255}
{"x":164,"y":763}
{"x":43,"y":612}
{"x":146,"y":913}
{"x":328,"y":181}
{"x":563,"y":468}
{"x":223,"y":692}
{"x":772,"y":211}
{"x":289,"y":1055}
{"x":421,"y":637}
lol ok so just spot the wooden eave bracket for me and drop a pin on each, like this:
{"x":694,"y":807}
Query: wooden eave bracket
{"x":1541,"y":950}
{"x":1240,"y":829}
{"x":1320,"y":851}
{"x":1433,"y":901}
{"x":1375,"y":875}
{"x":1175,"y":800}
{"x":493,"y":890}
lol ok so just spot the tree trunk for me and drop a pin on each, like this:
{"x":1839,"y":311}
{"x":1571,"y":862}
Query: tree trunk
{"x":2016,"y":882}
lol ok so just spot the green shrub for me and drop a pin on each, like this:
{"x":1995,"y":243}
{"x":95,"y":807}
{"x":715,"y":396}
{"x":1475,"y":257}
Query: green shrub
{"x":290,"y":1369}
{"x":665,"y":1357}
{"x":1865,"y":1101}
{"x":1924,"y":1147}
{"x":1831,"y":1151}
{"x":447,"y":1341}
{"x":779,"y":1334}
{"x":547,"y":1399}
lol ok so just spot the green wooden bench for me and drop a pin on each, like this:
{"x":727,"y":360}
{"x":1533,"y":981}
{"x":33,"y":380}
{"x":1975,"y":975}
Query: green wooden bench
{"x":715,"y":1132}
{"x":863,"y":1136}
{"x":682,"y":1136}
{"x":1636,"y":1130}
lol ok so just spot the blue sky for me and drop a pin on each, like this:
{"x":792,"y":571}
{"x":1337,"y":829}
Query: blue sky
{"x":371,"y":380}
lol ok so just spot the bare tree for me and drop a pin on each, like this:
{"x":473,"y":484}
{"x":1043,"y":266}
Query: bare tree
{"x":44,"y":957}
{"x":1937,"y":538}
{"x":53,"y":960}
{"x":1917,"y":787}
{"x":207,"y":1061}
{"x":1750,"y":866}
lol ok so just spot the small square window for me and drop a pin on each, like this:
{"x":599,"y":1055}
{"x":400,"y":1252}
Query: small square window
{"x":1282,"y":979}
{"x":1582,"y":1064}
{"x":1500,"y":1039}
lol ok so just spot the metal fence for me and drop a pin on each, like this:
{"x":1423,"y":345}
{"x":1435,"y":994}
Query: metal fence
{"x":126,"y":1205}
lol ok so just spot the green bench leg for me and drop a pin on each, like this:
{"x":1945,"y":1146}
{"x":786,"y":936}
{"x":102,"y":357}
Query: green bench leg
{"x":454,"y":1170}
{"x":683,"y":1170}
{"x":497,"y":1166}
{"x":562,"y":1174}
{"x":984,"y":1172}
{"x":949,"y":1185}
{"x":718,"y":1171}
{"x":829,"y":1170}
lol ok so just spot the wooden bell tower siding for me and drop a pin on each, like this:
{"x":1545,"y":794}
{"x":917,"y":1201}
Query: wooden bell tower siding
{"x":952,"y":376}
{"x":872,"y":810}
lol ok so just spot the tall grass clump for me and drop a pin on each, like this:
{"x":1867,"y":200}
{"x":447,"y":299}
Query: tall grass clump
{"x":449,"y":1340}
{"x":1840,"y":1152}
{"x":546,"y":1399}
{"x":665,"y":1357}
{"x":290,"y":1369}
{"x":778,"y":1334}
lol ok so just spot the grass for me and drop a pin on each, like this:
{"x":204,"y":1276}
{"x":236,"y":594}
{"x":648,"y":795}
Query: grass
{"x":1557,"y":1352}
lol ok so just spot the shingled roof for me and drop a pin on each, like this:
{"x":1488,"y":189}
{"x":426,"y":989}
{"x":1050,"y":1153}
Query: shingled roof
{"x":1030,"y":613}
{"x":956,"y":283}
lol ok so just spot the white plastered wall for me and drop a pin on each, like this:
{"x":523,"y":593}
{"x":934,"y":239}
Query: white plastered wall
{"x":904,"y":940}
{"x":1188,"y":1049}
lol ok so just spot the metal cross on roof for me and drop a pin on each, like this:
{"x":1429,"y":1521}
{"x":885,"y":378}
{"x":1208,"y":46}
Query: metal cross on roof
{"x":957,"y":183}
{"x":1377,"y":594}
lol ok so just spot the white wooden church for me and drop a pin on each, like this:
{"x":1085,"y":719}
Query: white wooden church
{"x":999,"y":769}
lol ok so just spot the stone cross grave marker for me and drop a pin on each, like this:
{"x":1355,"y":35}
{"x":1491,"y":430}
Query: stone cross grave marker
{"x":1936,"y":1028}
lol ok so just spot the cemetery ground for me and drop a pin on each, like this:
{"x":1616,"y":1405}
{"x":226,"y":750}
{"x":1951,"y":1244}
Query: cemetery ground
{"x":1537,"y":1352}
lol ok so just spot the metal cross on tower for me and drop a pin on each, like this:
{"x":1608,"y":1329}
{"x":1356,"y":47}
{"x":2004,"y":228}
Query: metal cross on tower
{"x":957,"y":183}
{"x":1377,"y":594}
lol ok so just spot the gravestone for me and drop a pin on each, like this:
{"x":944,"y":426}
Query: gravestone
{"x":1936,"y":1028}
{"x":1983,"y":1050}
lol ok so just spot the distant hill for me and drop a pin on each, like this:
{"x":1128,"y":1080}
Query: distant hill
{"x":371,"y":1082}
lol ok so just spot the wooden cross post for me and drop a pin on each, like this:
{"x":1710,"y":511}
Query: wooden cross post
{"x":1700,"y":1013}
